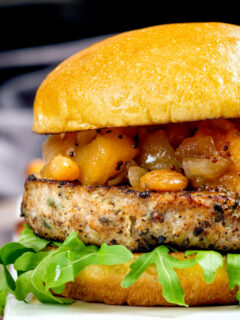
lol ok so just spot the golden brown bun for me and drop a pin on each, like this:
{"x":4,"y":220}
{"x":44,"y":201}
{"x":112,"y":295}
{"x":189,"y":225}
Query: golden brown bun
{"x":168,"y":73}
{"x":102,"y":284}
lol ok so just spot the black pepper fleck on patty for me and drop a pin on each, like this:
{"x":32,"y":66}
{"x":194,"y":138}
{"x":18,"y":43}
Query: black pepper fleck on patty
{"x":198,"y":231}
{"x":144,"y":194}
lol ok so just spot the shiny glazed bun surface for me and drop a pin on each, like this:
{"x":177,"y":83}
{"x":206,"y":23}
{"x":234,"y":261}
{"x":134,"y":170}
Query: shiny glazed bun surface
{"x":161,"y":74}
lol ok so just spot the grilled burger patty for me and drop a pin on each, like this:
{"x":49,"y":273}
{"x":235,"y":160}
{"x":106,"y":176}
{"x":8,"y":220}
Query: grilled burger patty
{"x":137,"y":220}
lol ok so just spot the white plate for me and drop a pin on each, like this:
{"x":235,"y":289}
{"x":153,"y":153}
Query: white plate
{"x":17,"y":310}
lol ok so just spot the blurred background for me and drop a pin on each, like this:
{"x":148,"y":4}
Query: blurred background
{"x":38,"y":34}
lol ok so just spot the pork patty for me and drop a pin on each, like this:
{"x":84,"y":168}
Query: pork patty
{"x":137,"y":220}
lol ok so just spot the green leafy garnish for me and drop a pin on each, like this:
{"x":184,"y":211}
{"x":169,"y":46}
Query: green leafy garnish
{"x":30,"y":240}
{"x":44,"y":267}
{"x":62,"y":265}
{"x":29,"y":260}
{"x":9,"y":253}
{"x":39,"y":271}
{"x":3,"y":297}
{"x":7,"y":284}
{"x":167,"y":277}
{"x":233,"y":269}
{"x":209,"y":261}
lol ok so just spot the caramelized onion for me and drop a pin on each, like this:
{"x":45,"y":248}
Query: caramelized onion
{"x":200,"y":170}
{"x":52,"y":147}
{"x":157,"y":153}
{"x":134,"y":175}
{"x":196,"y":146}
{"x":122,"y":177}
{"x":85,"y":137}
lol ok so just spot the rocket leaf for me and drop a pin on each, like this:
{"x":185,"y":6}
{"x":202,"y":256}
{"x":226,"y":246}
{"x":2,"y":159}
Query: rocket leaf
{"x":45,"y":267}
{"x":7,"y":284}
{"x":57,"y":267}
{"x":167,"y":277}
{"x":29,"y":260}
{"x":209,"y":261}
{"x":29,"y":240}
{"x":233,"y":269}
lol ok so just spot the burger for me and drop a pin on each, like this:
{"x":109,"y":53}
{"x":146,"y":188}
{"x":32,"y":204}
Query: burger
{"x":138,"y":199}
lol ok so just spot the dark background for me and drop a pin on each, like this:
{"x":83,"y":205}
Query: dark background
{"x":36,"y":35}
{"x":36,"y":23}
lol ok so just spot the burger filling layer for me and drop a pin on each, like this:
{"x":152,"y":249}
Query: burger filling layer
{"x":203,"y":155}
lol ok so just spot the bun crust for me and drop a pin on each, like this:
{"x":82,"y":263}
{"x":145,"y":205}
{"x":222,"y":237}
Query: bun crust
{"x":162,"y":74}
{"x":102,"y":284}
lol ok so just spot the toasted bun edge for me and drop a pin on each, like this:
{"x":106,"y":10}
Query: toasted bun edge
{"x":100,"y":283}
